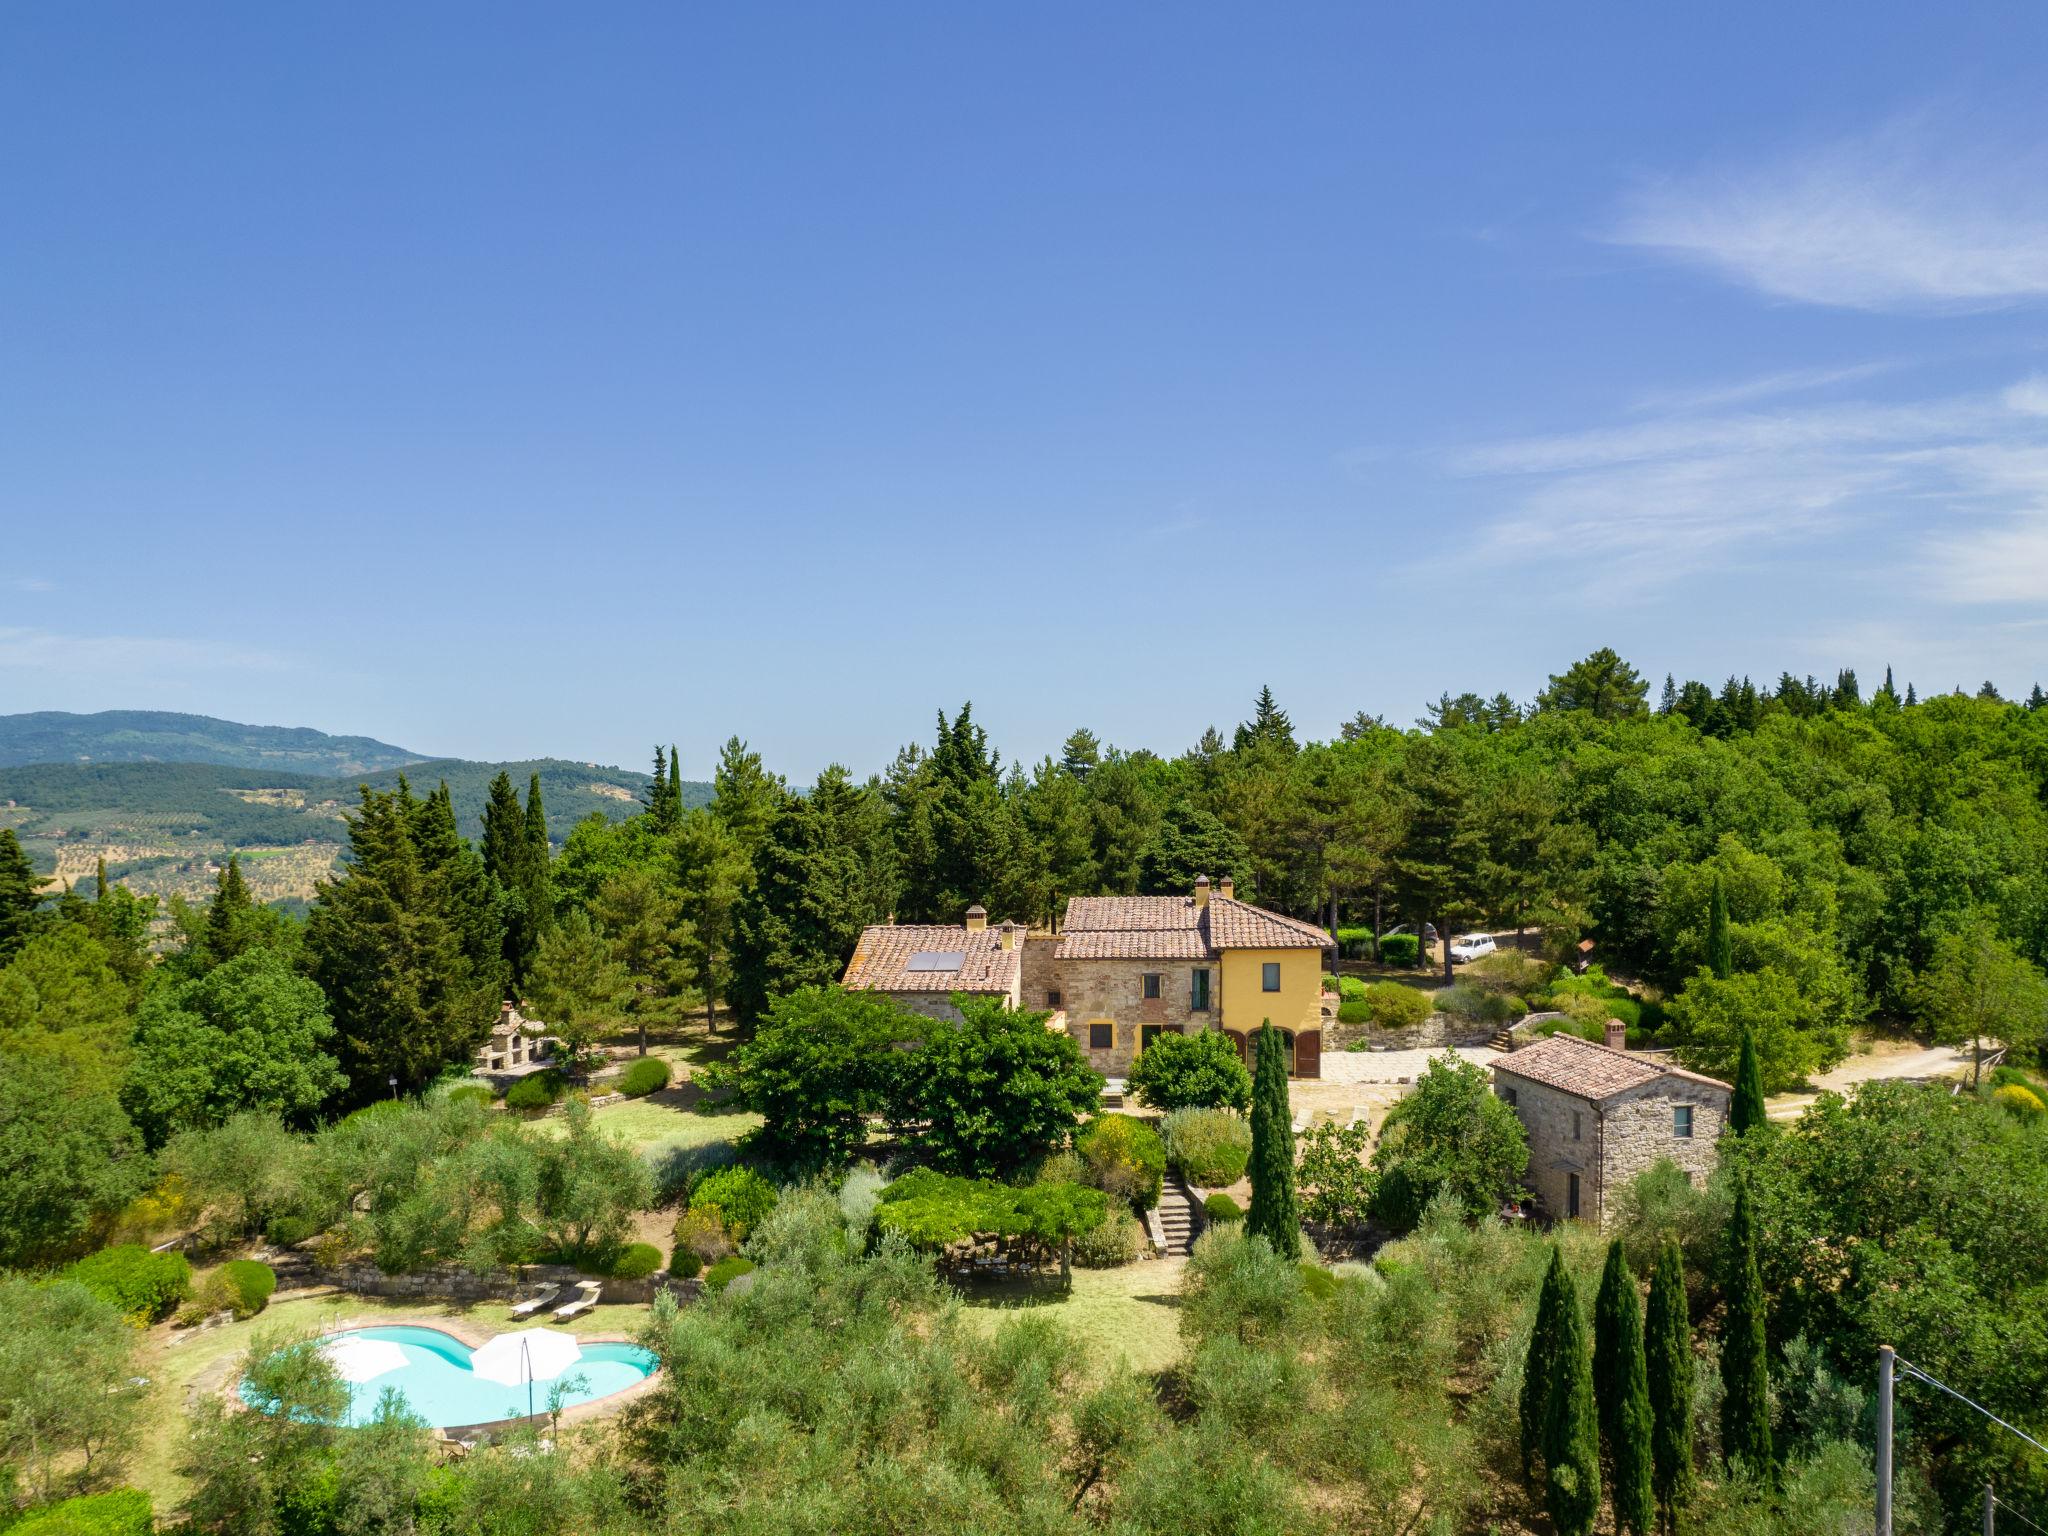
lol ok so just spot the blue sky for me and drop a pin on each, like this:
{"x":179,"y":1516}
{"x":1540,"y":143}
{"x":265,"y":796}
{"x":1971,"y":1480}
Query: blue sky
{"x":505,"y":381}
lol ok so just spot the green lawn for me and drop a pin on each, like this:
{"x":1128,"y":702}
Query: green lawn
{"x":660,"y":1122}
{"x":1132,"y":1313}
{"x":176,"y":1359}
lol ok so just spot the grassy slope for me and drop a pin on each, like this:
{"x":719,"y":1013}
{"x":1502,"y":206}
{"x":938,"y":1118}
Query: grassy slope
{"x":1132,"y":1313}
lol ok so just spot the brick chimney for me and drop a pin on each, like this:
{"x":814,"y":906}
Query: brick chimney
{"x":1201,"y":890}
{"x":1617,"y":1035}
{"x":1007,"y":935}
{"x":977,"y":918}
{"x":1227,"y":889}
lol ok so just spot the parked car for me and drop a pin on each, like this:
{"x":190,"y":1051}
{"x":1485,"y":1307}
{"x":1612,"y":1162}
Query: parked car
{"x":1471,"y":946}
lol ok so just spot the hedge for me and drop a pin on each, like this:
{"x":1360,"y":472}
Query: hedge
{"x":117,"y":1512}
{"x":725,"y":1271}
{"x":1354,"y":943}
{"x":649,"y":1074}
{"x":1357,"y":1011}
{"x":637,"y":1262}
{"x":684,"y":1263}
{"x":1220,"y":1207}
{"x":537,"y":1091}
{"x":144,"y":1286}
{"x":1400,"y":949}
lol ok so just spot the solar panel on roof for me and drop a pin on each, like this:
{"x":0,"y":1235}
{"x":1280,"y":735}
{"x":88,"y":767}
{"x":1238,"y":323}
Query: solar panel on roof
{"x":937,"y":960}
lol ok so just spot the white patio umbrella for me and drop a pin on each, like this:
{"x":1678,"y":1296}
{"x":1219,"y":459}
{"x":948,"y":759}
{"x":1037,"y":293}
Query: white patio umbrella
{"x":531,"y":1354}
{"x":358,"y":1359}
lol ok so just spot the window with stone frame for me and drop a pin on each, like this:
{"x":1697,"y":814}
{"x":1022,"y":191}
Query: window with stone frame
{"x":1681,"y":1121}
{"x":1154,"y":986}
{"x":1101,"y":1037}
{"x":1198,"y":990}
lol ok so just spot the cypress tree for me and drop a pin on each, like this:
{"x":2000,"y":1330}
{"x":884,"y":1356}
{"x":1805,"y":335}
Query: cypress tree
{"x":1668,"y":1357}
{"x":1720,"y":950}
{"x":1622,"y":1387}
{"x":1745,"y":1376}
{"x":99,"y":879}
{"x":1571,"y":1428}
{"x":657,"y":793}
{"x":1273,"y":1213}
{"x":675,"y":788}
{"x":1539,"y":1365}
{"x":227,"y":926}
{"x":505,"y":834}
{"x":1746,"y":1109}
{"x":20,"y":895}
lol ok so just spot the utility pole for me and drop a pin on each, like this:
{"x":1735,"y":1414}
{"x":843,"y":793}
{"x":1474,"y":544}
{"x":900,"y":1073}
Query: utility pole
{"x":1885,"y":1362}
{"x":1990,"y":1503}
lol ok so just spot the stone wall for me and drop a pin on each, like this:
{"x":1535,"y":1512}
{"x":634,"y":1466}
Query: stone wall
{"x":1608,"y":1144}
{"x":1112,"y":991}
{"x":449,"y":1283}
{"x":1438,"y":1032}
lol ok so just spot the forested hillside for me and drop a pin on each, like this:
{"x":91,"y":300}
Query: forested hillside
{"x":157,"y":736}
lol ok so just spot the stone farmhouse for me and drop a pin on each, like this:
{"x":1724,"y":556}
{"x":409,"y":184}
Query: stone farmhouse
{"x":1598,"y":1115}
{"x":1122,"y":971}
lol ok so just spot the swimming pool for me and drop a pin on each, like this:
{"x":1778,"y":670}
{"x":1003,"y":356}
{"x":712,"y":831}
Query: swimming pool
{"x":439,"y":1385}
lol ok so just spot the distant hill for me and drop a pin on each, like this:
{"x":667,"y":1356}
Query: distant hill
{"x":166,"y":827}
{"x":155,"y":736}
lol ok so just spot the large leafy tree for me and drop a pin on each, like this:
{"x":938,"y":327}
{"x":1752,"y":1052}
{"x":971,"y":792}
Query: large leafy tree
{"x":69,"y":1158}
{"x":1712,"y":1018}
{"x":386,"y":944}
{"x":992,"y":1094}
{"x":61,"y":996}
{"x":1274,"y":1214}
{"x":1450,"y":1136}
{"x":579,"y":987}
{"x":70,"y":1398}
{"x":821,"y":1063}
{"x":250,"y":1034}
{"x":1978,"y":986}
{"x":1192,"y":1071}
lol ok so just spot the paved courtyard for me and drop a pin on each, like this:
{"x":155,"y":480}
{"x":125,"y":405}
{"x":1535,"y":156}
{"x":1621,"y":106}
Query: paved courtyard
{"x":1365,"y":1083}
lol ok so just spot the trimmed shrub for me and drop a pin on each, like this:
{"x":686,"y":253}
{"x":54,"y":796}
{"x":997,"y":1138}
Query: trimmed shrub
{"x":117,"y":1512}
{"x":470,"y":1093}
{"x":684,"y":1263}
{"x":649,"y":1074}
{"x":1354,"y":943}
{"x":1393,"y":1006}
{"x":1352,"y":988}
{"x":725,"y":1271}
{"x":247,"y":1284}
{"x":144,"y":1286}
{"x":1220,"y":1207}
{"x":1118,"y":1241}
{"x":1124,"y":1158}
{"x":637,"y":1262}
{"x":740,"y":1196}
{"x":536,"y":1091}
{"x":1177,"y":1071}
{"x":1209,"y":1147}
{"x":1400,"y":949}
{"x":1357,"y":1011}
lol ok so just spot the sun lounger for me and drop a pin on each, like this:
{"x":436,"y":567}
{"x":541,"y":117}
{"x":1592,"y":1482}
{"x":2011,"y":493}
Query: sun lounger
{"x":533,"y":1304}
{"x":587,"y":1292}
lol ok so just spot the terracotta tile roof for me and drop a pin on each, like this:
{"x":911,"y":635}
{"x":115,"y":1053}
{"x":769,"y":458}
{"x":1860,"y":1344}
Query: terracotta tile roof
{"x":882,"y":959}
{"x":1589,"y":1071}
{"x":1175,"y":928}
{"x":1235,"y":924}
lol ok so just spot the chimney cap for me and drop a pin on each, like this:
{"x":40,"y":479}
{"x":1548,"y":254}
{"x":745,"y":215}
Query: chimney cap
{"x":1617,"y":1035}
{"x":1201,"y":879}
{"x":977,"y":910}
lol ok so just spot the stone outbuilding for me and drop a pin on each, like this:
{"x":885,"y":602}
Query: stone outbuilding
{"x":516,"y":1047}
{"x":1598,"y":1115}
{"x":921,"y":965}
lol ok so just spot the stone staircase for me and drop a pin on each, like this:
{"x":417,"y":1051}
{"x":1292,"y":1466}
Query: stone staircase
{"x":1503,"y":1041}
{"x":1177,"y":1222}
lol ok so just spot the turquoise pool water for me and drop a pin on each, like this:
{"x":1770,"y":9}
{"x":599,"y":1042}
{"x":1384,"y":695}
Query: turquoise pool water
{"x":441,"y":1388}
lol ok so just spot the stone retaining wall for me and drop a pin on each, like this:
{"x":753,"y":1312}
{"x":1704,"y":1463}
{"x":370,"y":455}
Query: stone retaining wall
{"x":450,"y":1283}
{"x":1438,"y":1032}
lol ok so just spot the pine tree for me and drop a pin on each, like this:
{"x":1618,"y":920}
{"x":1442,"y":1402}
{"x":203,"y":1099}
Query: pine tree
{"x":20,"y":895}
{"x":1273,"y":1215}
{"x":1668,"y":704}
{"x":1720,"y":947}
{"x":1621,"y":1386}
{"x":1268,"y":726}
{"x":1746,"y":1109}
{"x":657,"y":792}
{"x":1911,"y":697}
{"x":1571,"y":1427}
{"x":1745,"y":1376}
{"x":2036,"y":698}
{"x":539,"y":855}
{"x":1668,"y":1357}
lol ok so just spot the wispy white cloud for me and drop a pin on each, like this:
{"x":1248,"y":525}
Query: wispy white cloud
{"x":1962,"y":480}
{"x":1901,"y":219}
{"x":48,"y":653}
{"x":32,"y":584}
{"x":1767,"y":386}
